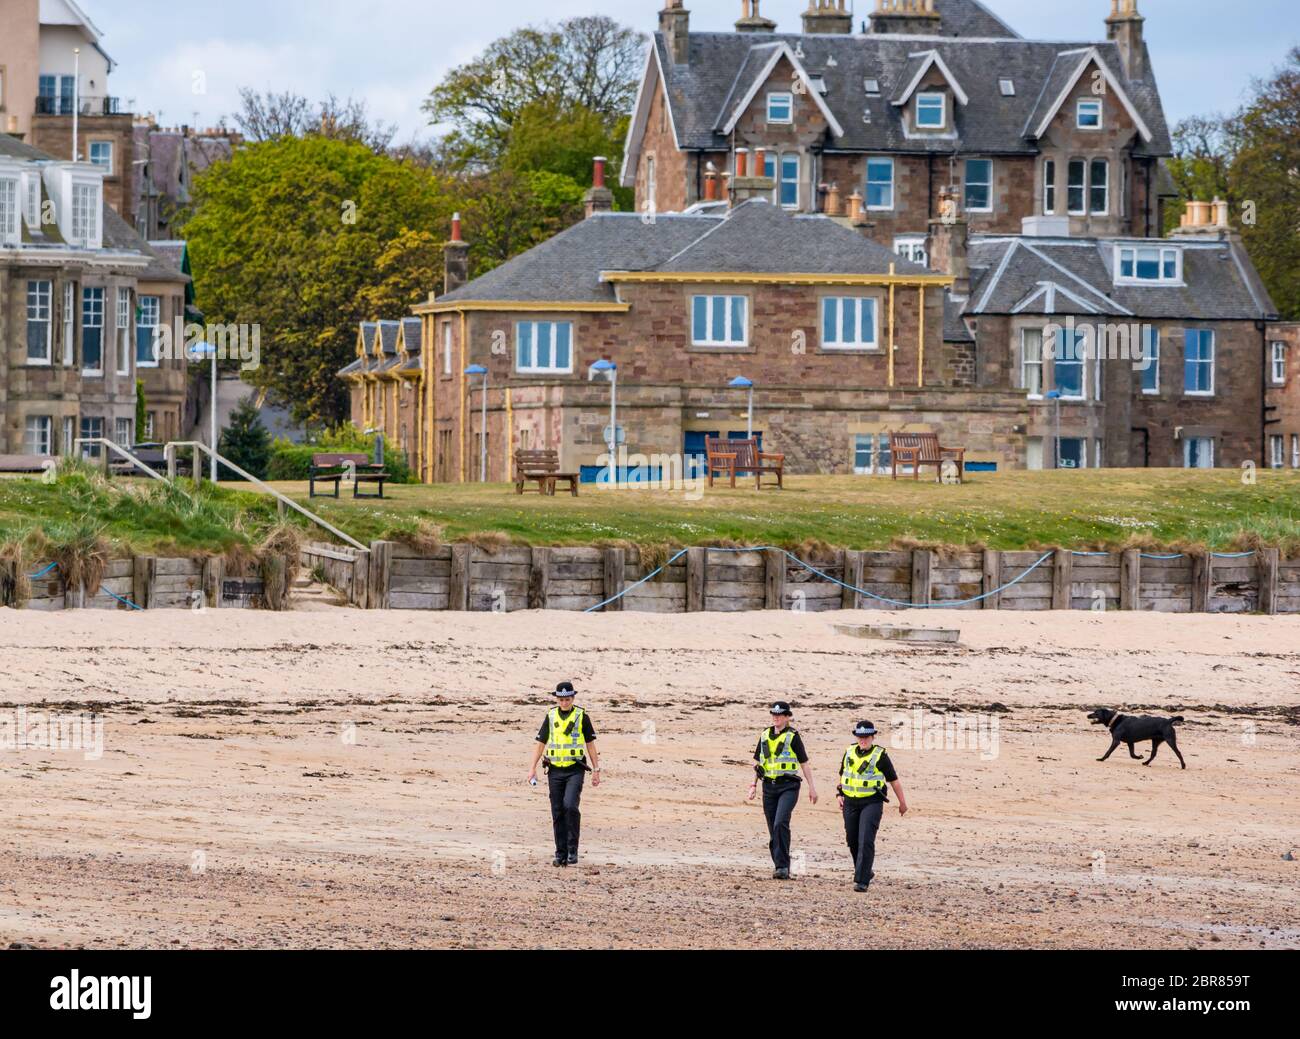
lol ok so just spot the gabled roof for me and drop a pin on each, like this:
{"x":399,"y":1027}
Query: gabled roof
{"x":753,"y":76}
{"x":410,"y":335}
{"x":988,"y":123}
{"x":1066,"y":72}
{"x":1011,"y":275}
{"x":918,"y":66}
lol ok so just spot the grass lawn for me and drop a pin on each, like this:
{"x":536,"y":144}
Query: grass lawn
{"x":1090,"y":508}
{"x":1003,"y":511}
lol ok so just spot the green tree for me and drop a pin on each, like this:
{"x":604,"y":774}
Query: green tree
{"x":306,"y":236}
{"x":141,"y":412}
{"x":246,"y":441}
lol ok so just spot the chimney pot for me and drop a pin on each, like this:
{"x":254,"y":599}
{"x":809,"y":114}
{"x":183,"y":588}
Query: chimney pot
{"x":455,"y":228}
{"x":742,"y":162}
{"x":598,"y":172}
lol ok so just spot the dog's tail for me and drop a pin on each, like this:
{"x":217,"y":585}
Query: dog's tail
{"x":1180,"y":718}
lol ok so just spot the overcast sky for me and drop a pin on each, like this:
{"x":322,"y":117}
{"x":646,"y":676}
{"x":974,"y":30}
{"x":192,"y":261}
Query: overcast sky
{"x":391,"y":52}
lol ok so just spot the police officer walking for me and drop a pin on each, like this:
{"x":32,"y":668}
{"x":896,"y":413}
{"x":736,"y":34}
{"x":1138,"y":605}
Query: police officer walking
{"x":566,"y":737}
{"x":864,"y":771}
{"x":779,"y":754}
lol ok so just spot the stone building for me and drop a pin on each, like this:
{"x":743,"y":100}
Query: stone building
{"x":1282,"y":420}
{"x":79,"y":294}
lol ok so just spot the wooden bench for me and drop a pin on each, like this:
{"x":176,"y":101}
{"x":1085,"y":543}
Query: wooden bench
{"x":543,"y":468}
{"x":733,"y":457}
{"x":918,"y":449}
{"x":332,"y":468}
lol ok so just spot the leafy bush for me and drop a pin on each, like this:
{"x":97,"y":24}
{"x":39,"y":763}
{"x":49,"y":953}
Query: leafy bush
{"x":293,"y":461}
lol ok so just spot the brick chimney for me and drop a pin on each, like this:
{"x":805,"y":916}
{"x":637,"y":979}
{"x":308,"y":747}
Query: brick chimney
{"x":750,"y":180}
{"x":949,"y":236}
{"x":914,"y":17}
{"x":455,"y":259}
{"x":751,"y":20}
{"x":827,"y":17}
{"x":675,"y":24}
{"x":1205,"y":220}
{"x":599,"y":199}
{"x":1124,"y":26}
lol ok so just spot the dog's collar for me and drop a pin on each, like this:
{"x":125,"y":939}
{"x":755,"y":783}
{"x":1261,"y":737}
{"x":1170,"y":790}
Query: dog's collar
{"x":1115,"y":717}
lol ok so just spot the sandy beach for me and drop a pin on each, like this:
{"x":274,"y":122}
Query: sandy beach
{"x":356,"y":779}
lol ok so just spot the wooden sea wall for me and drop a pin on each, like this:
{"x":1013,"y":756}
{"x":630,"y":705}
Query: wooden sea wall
{"x":466,"y":577}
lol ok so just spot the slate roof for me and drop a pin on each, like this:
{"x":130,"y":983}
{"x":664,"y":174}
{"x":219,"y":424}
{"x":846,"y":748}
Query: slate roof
{"x":388,"y":336}
{"x":754,"y":238}
{"x":722,"y":67}
{"x":1076,"y":276}
{"x":412,"y":332}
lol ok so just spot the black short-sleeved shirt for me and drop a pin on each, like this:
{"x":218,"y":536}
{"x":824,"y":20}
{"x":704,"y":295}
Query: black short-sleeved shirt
{"x":796,"y":745}
{"x":588,"y":733}
{"x":887,"y":769}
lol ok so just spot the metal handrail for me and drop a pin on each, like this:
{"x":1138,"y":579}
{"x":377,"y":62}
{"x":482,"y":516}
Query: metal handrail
{"x":121,"y":451}
{"x":170,"y":451}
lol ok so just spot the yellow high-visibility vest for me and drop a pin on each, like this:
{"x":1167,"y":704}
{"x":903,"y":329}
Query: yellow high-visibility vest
{"x":566,"y":745}
{"x":779,"y":758}
{"x":861,"y":777}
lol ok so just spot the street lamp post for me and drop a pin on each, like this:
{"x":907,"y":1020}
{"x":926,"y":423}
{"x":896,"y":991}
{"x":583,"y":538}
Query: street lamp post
{"x":609,"y":370}
{"x":1055,"y":396}
{"x":741,"y":383}
{"x":478,"y":369}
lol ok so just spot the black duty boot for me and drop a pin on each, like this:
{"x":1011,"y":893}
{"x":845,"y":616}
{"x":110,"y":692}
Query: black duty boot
{"x":559,"y":861}
{"x":573,"y":858}
{"x":859,"y":888}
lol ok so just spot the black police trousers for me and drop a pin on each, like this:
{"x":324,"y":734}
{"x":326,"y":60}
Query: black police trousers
{"x":566,"y":791}
{"x":861,"y":821}
{"x":779,"y":800}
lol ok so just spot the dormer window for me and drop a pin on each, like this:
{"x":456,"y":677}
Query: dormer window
{"x":1148,"y":265}
{"x":9,"y":233}
{"x":1008,"y":87}
{"x":780,"y":108}
{"x":931,"y":113}
{"x":85,"y":214}
{"x":1089,"y":114}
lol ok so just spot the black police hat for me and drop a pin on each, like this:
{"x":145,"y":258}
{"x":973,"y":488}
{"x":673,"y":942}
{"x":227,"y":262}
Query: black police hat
{"x":564,"y":689}
{"x":781,"y":707}
{"x":864,"y":729}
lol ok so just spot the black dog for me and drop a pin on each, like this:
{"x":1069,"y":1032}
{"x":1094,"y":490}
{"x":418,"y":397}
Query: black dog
{"x":1130,"y":729}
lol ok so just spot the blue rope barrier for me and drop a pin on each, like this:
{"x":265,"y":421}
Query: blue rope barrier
{"x":1176,"y":555}
{"x":1232,"y":555}
{"x":54,"y":566}
{"x":827,"y":577}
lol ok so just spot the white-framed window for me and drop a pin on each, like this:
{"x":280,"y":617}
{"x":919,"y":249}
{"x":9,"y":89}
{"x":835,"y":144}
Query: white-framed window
{"x":1279,"y":363}
{"x":1295,"y":450}
{"x":784,"y":170}
{"x":912,"y":247}
{"x":871,"y":454}
{"x":931,"y":111}
{"x":33,"y":201}
{"x":1148,"y":264}
{"x":85,"y":214}
{"x":979,"y":185}
{"x":122,"y":432}
{"x":446,"y":348}
{"x":880,"y":184}
{"x":1151,"y":357}
{"x":544,"y":347}
{"x":148,"y":319}
{"x":1198,"y":362}
{"x":123,"y":322}
{"x":1007,"y":87}
{"x":40,"y":323}
{"x":849,"y":323}
{"x":651,"y":185}
{"x":101,"y":154}
{"x":1069,"y":370}
{"x":69,"y":323}
{"x":91,"y":429}
{"x":92,"y":331}
{"x":1099,"y":187}
{"x":1076,"y":188}
{"x":1276,"y":451}
{"x":1031,"y":362}
{"x":69,"y":432}
{"x":1088,"y":114}
{"x":40,"y":435}
{"x":1049,"y":186}
{"x":719,"y":321}
{"x":9,"y":232}
{"x":780,"y":108}
{"x":1198,"y":452}
{"x":1072,"y":453}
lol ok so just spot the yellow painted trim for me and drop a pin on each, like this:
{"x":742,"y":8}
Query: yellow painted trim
{"x":519,"y":306}
{"x":428,"y":364}
{"x":891,"y":329}
{"x":920,"y":341}
{"x":890,"y":279}
{"x":463,"y":330}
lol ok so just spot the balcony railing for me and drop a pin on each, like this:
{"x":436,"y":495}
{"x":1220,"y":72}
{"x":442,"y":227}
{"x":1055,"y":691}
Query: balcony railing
{"x":86,"y":106}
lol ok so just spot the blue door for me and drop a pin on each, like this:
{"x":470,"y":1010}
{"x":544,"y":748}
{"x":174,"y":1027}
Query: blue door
{"x":694,"y":454}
